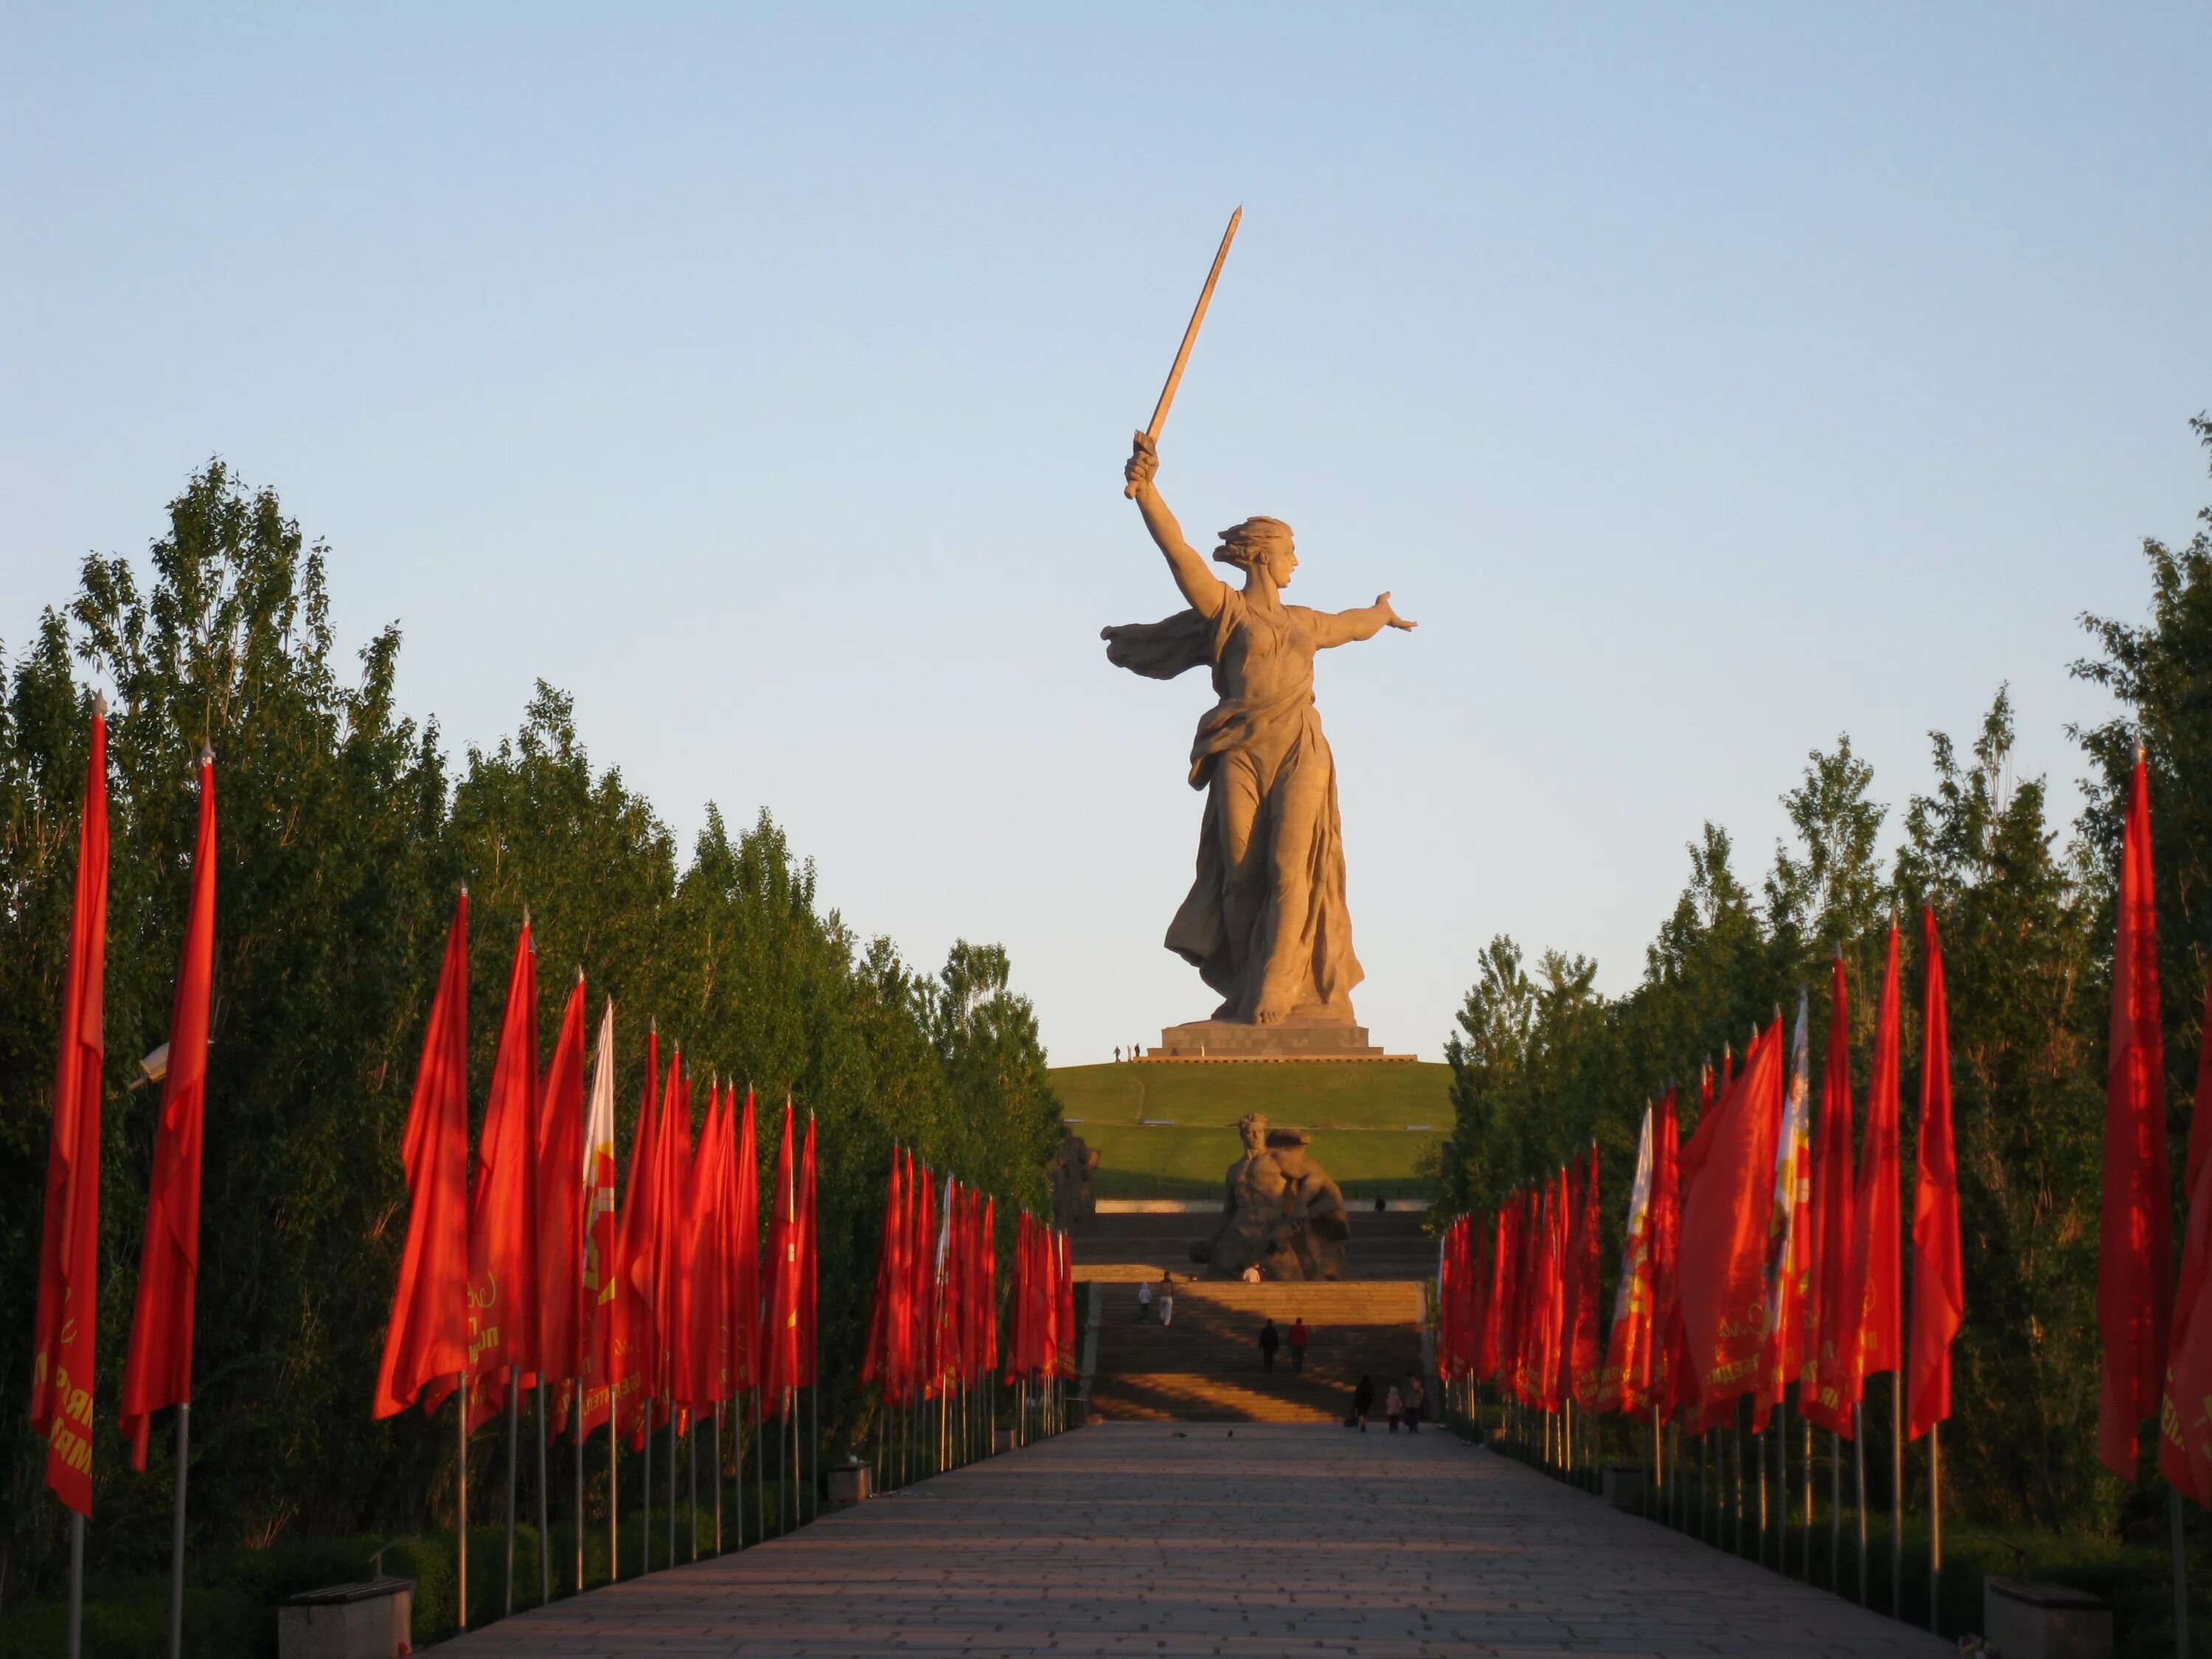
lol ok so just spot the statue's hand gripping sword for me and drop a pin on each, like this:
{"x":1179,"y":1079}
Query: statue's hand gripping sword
{"x":1189,"y":338}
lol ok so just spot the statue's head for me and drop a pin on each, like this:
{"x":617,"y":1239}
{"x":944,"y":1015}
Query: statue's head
{"x":1259,"y":543}
{"x":1253,"y":1126}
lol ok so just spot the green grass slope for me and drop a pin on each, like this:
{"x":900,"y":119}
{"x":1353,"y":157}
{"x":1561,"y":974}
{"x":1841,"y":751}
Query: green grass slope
{"x":1170,"y":1131}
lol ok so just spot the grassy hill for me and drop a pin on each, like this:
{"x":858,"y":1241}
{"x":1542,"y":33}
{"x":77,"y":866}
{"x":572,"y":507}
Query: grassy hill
{"x":1170,"y":1131}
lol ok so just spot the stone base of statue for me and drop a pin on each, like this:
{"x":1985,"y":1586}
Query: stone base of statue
{"x":1291,"y":1039}
{"x":1282,"y":1218}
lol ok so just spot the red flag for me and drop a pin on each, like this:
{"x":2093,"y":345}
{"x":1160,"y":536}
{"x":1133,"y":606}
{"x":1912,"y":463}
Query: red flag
{"x":1789,"y":1252}
{"x":810,"y":1290}
{"x":674,"y":1150}
{"x":636,"y":1341}
{"x":1491,"y":1356}
{"x":503,"y":1204}
{"x":1627,"y":1384}
{"x":69,"y":1243}
{"x":990,"y":1285}
{"x":702,"y":1279}
{"x":1877,"y":1265}
{"x":159,"y":1371}
{"x":780,"y":1330}
{"x":1670,"y":1383}
{"x":560,"y":1208}
{"x":600,"y":1239}
{"x":1829,"y":1387}
{"x":1724,"y":1227}
{"x":2184,"y":1451}
{"x":1586,"y":1355}
{"x":1939,"y":1276}
{"x":744,"y":1255}
{"x":426,"y":1344}
{"x":2135,"y":1284}
{"x":883,"y":1314}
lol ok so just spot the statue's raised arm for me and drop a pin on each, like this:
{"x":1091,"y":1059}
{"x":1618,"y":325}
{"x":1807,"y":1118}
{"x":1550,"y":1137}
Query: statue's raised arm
{"x":1200,"y":586}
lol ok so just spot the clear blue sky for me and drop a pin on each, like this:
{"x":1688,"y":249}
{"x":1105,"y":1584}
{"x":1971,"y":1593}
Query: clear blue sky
{"x":1705,"y":381}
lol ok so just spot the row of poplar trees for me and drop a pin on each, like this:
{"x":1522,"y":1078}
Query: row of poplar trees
{"x":1543,"y":1063}
{"x":345,"y":830}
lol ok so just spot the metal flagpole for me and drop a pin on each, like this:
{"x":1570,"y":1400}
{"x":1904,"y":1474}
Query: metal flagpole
{"x":461,"y":1429}
{"x":691,"y":1448}
{"x":668,"y":1405}
{"x":76,"y":1586}
{"x":2181,"y":1570}
{"x":513,"y":1452}
{"x":738,"y":1460}
{"x":177,"y":1534}
{"x":645,"y":1496}
{"x":1858,"y":1500}
{"x":1896,"y":1493}
{"x":760,"y":1467}
{"x":814,"y":1433}
{"x":580,"y":1486}
{"x":1835,"y":1512}
{"x":545,"y":1530}
{"x":718,"y":1477}
{"x":614,"y":1493}
{"x":1935,"y":1528}
{"x":1805,"y":1558}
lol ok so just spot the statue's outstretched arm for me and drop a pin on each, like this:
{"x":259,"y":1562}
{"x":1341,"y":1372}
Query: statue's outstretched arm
{"x":1344,"y":626}
{"x":1200,"y":586}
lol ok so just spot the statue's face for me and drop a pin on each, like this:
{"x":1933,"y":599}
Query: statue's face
{"x":1280,"y":559}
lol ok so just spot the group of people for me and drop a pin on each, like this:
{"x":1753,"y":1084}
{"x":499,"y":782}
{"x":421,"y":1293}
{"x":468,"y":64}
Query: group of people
{"x":1409,"y":1405}
{"x":1136,"y":1052}
{"x":1270,"y":1343}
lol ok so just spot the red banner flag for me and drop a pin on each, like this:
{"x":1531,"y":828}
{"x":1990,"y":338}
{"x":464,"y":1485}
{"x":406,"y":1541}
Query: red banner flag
{"x":2184,"y":1451}
{"x":426,"y":1344}
{"x":810,"y":1289}
{"x":674,"y":1150}
{"x":68,"y":1242}
{"x":560,"y":1210}
{"x":1788,"y":1239}
{"x":780,"y":1329}
{"x":1670,"y":1383}
{"x":599,"y":1238}
{"x":1586,"y":1355}
{"x":990,"y":1285}
{"x":703,"y":1279}
{"x":1724,"y":1227}
{"x":745,"y":1254}
{"x":2134,"y":1267}
{"x":1877,"y":1263}
{"x":503,"y":1204}
{"x":636,"y":1341}
{"x":1626,"y":1384}
{"x":1829,"y":1387}
{"x":1939,"y":1275}
{"x":876,"y":1360}
{"x":159,"y":1371}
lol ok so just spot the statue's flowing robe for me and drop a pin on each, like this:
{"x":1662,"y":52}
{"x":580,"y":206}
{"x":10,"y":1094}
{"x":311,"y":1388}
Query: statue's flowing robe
{"x":1279,"y":739}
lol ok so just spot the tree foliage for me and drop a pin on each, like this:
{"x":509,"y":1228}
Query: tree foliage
{"x":345,"y":832}
{"x":1541,"y":1068}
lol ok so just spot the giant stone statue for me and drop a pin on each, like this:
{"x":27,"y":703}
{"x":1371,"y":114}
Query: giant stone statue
{"x":1280,"y":1212}
{"x":1265,"y":922}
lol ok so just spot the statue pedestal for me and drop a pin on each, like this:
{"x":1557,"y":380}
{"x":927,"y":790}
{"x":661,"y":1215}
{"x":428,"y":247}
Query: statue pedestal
{"x":1221,"y":1039}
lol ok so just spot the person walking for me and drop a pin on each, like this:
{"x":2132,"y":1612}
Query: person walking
{"x":1144,"y":1301}
{"x":1416,"y":1404}
{"x":1362,"y":1400}
{"x":1394,"y":1406}
{"x":1270,"y":1339}
{"x":1299,"y":1345}
{"x":1167,"y":1299}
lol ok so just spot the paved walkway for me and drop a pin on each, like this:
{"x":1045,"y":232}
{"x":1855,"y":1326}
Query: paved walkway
{"x":1138,"y":1539}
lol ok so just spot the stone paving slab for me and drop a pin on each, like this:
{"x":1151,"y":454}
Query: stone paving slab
{"x":1140,"y":1539}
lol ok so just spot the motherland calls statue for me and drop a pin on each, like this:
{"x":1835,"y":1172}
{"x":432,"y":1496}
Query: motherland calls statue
{"x":1280,"y":1212}
{"x":1264,"y":923}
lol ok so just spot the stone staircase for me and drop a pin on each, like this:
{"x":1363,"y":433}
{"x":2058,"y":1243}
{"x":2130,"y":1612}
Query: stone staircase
{"x":1206,"y":1366}
{"x":1390,"y":1244}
